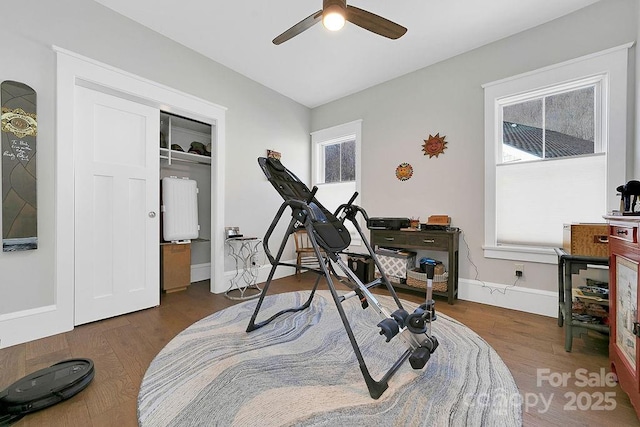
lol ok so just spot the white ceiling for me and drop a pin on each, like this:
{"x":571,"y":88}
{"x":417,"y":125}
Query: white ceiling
{"x":317,"y":66}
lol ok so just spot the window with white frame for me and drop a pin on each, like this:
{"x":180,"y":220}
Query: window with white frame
{"x":553,"y":123}
{"x":335,"y":166}
{"x":555,"y":144}
{"x":337,"y":160}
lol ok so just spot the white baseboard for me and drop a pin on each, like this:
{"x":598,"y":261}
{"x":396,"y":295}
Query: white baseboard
{"x":263,"y":274}
{"x":31,"y":324}
{"x":518,"y":298}
{"x":200,"y":272}
{"x":529,"y":300}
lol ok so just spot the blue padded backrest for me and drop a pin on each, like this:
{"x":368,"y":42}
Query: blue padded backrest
{"x":329,"y":231}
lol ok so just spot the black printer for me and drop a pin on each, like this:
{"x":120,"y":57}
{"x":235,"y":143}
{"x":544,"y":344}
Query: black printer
{"x":387,"y":223}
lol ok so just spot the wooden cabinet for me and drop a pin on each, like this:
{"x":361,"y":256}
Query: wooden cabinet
{"x":175,"y":266}
{"x":430,"y":240}
{"x":624,"y":344}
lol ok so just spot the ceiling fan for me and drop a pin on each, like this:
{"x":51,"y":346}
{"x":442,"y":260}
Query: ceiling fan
{"x":333,"y":15}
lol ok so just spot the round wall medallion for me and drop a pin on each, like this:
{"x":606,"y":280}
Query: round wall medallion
{"x":19,"y":122}
{"x":404,"y":171}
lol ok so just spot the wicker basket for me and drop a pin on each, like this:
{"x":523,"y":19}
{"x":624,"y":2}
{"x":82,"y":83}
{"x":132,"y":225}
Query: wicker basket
{"x":416,"y":279}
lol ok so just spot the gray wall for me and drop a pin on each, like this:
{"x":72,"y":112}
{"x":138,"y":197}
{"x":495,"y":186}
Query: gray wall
{"x":447,"y":98}
{"x":398,"y":115}
{"x":257,"y":118}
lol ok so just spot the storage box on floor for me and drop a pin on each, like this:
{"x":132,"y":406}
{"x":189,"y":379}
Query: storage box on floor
{"x":586,"y":239}
{"x":362,"y":265}
{"x":396,"y":263}
{"x":175,"y":266}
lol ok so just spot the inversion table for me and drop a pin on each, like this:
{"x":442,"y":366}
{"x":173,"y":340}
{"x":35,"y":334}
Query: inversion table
{"x":329,"y":237}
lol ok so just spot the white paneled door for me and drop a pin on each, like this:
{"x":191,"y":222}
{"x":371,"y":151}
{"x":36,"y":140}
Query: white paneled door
{"x":116,"y":192}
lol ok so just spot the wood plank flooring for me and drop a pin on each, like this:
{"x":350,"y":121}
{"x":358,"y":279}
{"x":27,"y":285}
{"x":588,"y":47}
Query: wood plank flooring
{"x":123,"y":347}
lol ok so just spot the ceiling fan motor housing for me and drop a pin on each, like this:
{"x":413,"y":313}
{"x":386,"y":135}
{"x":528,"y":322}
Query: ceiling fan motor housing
{"x":334,"y":5}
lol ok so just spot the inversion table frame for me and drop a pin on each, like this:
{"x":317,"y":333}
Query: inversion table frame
{"x":327,"y":231}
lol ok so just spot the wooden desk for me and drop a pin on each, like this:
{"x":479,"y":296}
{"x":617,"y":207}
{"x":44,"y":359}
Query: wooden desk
{"x":568,"y":265}
{"x":431,"y":240}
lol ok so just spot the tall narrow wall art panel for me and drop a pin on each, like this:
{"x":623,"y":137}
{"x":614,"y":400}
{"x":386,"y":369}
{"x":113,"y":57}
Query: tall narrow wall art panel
{"x":19,"y":201}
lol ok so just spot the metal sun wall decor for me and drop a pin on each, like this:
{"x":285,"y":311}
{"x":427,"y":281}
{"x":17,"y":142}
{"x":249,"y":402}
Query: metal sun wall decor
{"x":434,"y":145}
{"x":19,"y":128}
{"x":404,"y":171}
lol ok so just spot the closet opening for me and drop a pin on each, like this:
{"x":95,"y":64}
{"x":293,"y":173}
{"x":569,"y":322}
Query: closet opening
{"x":186,"y":147}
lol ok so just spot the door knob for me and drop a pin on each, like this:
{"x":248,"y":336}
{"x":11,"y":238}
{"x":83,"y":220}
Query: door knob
{"x":152,"y":214}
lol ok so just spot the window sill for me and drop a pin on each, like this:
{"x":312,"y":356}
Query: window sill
{"x":521,"y":253}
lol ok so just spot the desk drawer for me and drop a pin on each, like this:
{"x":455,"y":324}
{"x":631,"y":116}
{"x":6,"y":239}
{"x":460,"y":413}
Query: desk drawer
{"x":628,"y":234}
{"x":428,"y":241}
{"x":388,"y":238}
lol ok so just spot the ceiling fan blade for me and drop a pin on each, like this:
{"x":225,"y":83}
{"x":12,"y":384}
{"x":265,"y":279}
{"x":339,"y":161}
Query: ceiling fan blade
{"x":374,"y":23}
{"x":301,"y":26}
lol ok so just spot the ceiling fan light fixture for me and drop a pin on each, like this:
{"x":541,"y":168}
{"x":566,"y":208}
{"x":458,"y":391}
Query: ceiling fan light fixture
{"x":333,"y":15}
{"x":333,"y":18}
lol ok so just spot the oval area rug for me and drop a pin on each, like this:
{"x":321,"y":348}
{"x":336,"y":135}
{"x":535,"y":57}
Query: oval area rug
{"x":301,"y":370}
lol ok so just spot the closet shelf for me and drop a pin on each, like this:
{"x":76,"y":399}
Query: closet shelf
{"x":198,"y":240}
{"x":180,"y":156}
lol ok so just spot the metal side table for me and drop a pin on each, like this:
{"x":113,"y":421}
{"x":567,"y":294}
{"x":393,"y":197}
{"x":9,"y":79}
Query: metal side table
{"x":244,"y":251}
{"x":569,"y":265}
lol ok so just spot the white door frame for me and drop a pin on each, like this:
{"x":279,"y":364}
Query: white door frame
{"x":73,"y":70}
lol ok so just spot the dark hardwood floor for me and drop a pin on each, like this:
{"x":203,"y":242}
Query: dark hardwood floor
{"x":531,"y":346}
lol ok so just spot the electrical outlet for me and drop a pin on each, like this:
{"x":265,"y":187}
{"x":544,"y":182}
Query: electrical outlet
{"x":519,"y":270}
